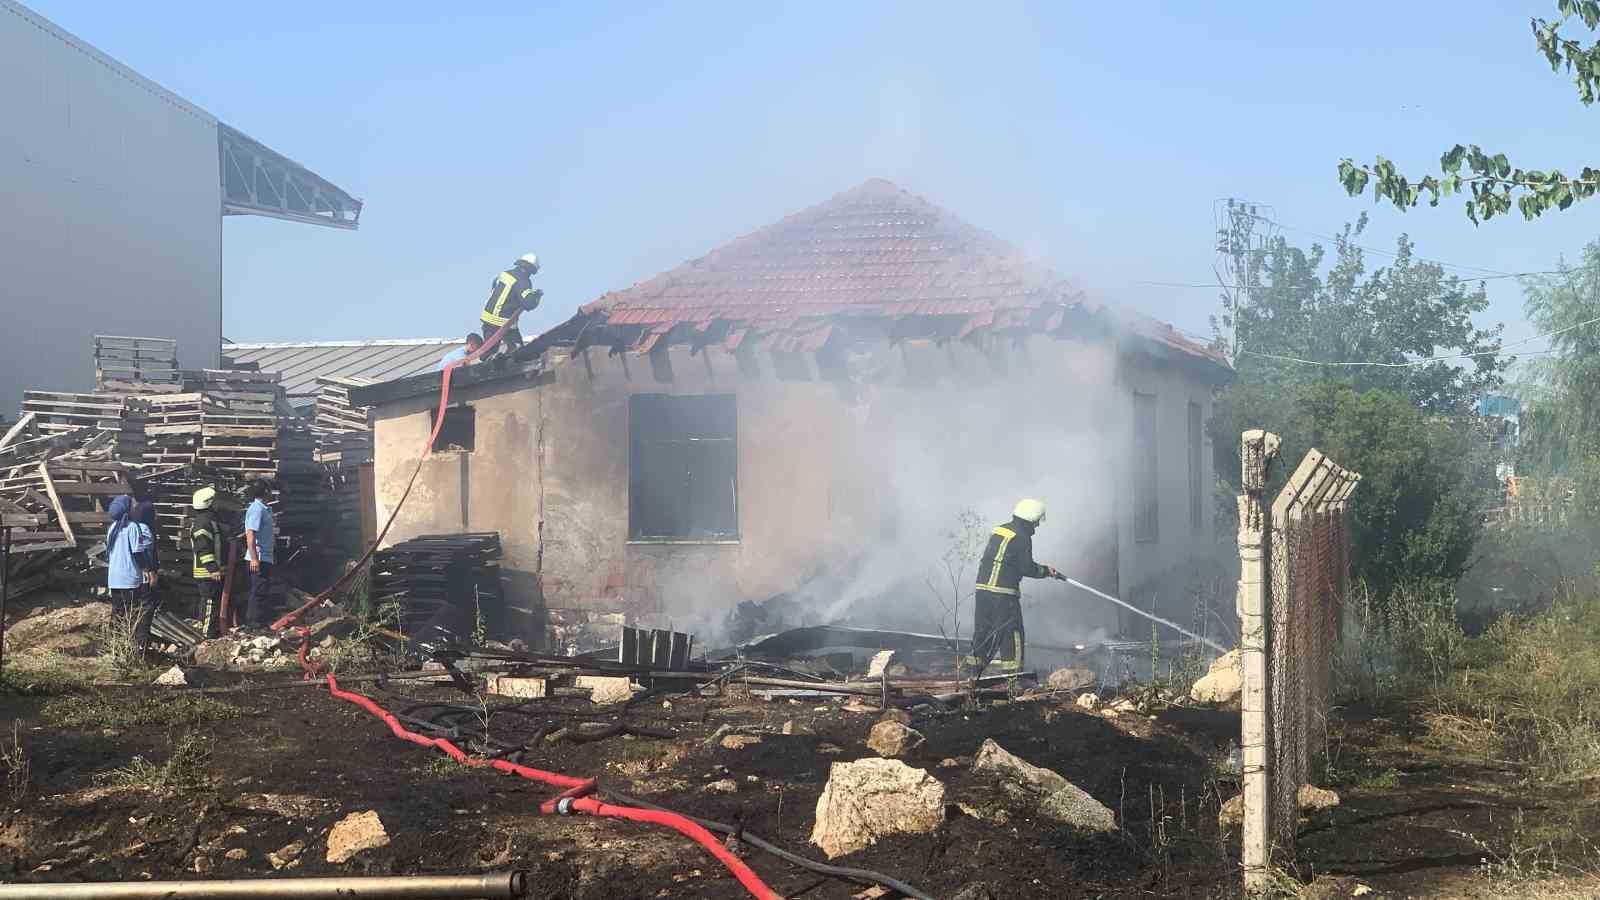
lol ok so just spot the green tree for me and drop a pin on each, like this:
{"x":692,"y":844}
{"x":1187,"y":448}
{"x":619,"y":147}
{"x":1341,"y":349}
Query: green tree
{"x":1308,"y":329}
{"x":1561,"y":421}
{"x":1417,"y":513}
{"x":1371,"y":330}
{"x":1491,"y":182}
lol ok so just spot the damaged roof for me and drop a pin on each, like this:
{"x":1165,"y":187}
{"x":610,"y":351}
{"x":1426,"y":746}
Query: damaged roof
{"x":873,"y":252}
{"x":301,"y":364}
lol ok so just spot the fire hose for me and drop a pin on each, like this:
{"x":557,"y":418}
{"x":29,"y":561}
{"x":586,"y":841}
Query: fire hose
{"x":576,"y":796}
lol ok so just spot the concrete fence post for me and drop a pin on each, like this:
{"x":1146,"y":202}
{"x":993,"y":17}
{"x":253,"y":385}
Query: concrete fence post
{"x":1258,"y":450}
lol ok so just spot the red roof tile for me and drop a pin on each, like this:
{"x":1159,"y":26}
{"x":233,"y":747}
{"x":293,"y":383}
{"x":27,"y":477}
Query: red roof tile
{"x":874,"y":251}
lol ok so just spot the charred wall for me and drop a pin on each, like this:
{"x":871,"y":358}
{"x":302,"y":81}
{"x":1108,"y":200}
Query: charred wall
{"x":854,"y":465}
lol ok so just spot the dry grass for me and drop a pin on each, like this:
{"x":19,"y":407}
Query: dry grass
{"x":94,"y":711}
{"x":15,"y":762}
{"x":184,"y":767}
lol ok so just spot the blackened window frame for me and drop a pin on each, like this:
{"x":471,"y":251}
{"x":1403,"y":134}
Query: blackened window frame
{"x":459,"y":419}
{"x":683,"y":469}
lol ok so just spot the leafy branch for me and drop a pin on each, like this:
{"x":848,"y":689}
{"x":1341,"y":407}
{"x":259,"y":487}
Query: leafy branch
{"x":1493,"y":184}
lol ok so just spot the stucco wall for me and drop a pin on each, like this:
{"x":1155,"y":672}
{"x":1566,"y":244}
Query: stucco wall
{"x":112,"y":211}
{"x":1152,"y":571}
{"x":857,"y":466}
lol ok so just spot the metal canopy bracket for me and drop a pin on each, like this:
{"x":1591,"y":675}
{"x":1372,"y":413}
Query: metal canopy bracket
{"x":259,"y":181}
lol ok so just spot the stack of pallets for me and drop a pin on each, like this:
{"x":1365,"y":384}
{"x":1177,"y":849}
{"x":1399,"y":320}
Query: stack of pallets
{"x":56,"y":413}
{"x":344,"y":432}
{"x":441,"y":581}
{"x":137,"y":365}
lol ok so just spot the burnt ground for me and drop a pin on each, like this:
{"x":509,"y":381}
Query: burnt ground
{"x":298,"y":760}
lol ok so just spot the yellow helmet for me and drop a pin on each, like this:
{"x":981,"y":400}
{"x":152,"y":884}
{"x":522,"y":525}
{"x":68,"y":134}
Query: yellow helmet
{"x":204,"y":497}
{"x":1029,"y":511}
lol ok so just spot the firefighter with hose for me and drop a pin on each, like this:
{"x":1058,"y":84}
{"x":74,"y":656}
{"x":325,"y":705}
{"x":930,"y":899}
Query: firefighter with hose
{"x":997,"y":635}
{"x":511,"y":295}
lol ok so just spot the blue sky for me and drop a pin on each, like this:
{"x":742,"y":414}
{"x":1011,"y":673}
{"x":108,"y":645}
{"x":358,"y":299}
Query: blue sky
{"x":620,"y":140}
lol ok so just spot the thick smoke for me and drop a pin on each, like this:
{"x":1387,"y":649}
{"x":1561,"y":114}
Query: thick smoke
{"x":932,"y":449}
{"x":960,"y":454}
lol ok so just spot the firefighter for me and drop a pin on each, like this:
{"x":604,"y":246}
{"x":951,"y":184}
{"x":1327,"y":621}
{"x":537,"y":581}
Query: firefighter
{"x":207,"y":542}
{"x":997,"y":606}
{"x":511,"y":295}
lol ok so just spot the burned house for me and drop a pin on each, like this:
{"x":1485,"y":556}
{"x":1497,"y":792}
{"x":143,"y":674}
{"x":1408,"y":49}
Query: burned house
{"x":837,"y":404}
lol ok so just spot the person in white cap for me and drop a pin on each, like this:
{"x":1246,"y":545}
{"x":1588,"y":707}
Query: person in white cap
{"x":511,"y":295}
{"x":997,"y":634}
{"x":206,"y":541}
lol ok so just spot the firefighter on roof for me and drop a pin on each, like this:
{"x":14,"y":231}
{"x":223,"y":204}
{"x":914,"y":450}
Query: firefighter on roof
{"x":997,"y":608}
{"x":511,"y":295}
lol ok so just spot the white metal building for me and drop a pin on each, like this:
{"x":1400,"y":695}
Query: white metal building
{"x":114,"y":192}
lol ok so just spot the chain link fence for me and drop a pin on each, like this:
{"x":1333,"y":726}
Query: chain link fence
{"x":1295,"y":571}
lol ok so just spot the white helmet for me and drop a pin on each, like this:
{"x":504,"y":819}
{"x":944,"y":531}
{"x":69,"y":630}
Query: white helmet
{"x":1029,"y":511}
{"x":532,"y":259}
{"x":204,"y":497}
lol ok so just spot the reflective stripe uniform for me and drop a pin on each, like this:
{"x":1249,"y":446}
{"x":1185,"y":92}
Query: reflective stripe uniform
{"x":997,"y":634}
{"x":205,"y":540}
{"x":511,"y":293}
{"x":207,"y":545}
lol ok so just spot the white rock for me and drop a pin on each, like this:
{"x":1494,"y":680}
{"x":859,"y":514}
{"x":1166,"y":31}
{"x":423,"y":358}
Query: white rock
{"x":1232,"y":812}
{"x":355,"y":833}
{"x":287,"y":856}
{"x":605,"y":690}
{"x":722,"y":786}
{"x":1052,"y":795}
{"x":1222,"y":683}
{"x":892,"y":740}
{"x":868,"y":799}
{"x":1312,"y":797}
{"x":1088,"y":701}
{"x":1070,"y":680}
{"x":172,"y":677}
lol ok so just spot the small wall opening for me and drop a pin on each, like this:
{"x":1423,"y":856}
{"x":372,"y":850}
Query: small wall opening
{"x":460,"y":429}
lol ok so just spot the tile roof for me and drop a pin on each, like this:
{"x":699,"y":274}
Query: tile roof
{"x":874,"y":251}
{"x":302,"y":363}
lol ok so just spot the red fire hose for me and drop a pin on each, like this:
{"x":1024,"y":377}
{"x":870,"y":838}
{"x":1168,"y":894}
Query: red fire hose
{"x":294,"y":615}
{"x":575,"y":797}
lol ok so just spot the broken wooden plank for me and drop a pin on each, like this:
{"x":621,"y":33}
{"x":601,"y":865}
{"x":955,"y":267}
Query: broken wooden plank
{"x":55,"y":502}
{"x":13,"y":431}
{"x":103,"y":488}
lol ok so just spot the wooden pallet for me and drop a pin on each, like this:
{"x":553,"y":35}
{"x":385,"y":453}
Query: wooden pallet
{"x":123,"y":361}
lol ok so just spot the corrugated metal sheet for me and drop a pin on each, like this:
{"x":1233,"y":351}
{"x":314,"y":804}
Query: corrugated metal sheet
{"x":302,"y":363}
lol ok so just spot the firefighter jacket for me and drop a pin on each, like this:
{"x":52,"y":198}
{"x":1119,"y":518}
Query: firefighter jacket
{"x":511,"y":293}
{"x":1008,"y":559}
{"x":205,"y":538}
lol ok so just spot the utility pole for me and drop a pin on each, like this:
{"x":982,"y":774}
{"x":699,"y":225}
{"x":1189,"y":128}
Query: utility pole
{"x":1241,"y":243}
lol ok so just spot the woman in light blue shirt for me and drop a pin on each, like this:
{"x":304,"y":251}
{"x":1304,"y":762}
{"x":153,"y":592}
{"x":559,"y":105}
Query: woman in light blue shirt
{"x":130,"y":566}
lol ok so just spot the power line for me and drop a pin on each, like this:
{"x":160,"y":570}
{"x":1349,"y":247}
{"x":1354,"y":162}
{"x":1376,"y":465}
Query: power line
{"x":1213,"y":285}
{"x":1503,"y":350}
{"x":1441,"y":263}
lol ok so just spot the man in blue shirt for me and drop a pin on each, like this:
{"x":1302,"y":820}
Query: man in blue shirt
{"x":460,"y":353}
{"x":258,"y":537}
